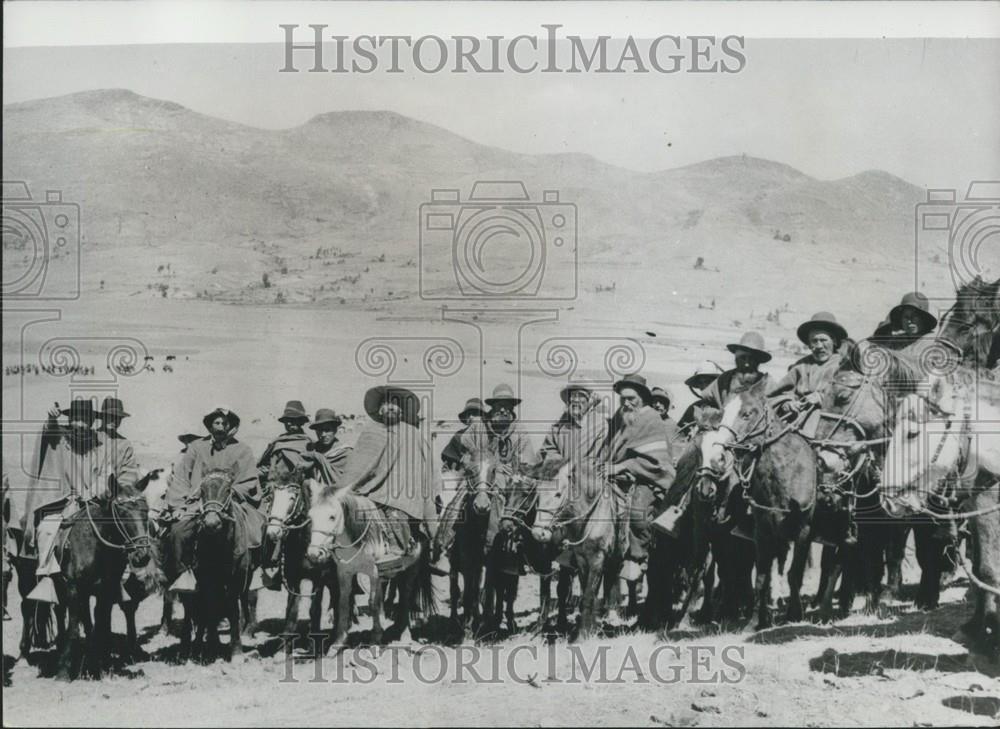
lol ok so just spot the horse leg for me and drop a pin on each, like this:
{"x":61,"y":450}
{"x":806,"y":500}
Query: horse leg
{"x":592,"y":580}
{"x":895,"y":552}
{"x":455,"y":591}
{"x":235,"y":629}
{"x":564,"y":586}
{"x":510,"y":596}
{"x":132,"y":639}
{"x":375,"y":604}
{"x":186,"y":626}
{"x":764,"y":560}
{"x":830,"y":571}
{"x":167,"y":613}
{"x":544,"y":601}
{"x":795,"y":573}
{"x":292,"y":617}
{"x":343,"y":598}
{"x":102,"y":631}
{"x":248,"y":603}
{"x":75,"y":606}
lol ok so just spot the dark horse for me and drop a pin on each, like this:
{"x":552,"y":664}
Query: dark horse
{"x":972,"y":325}
{"x":777,"y":470}
{"x":93,"y":547}
{"x":289,"y":530}
{"x":223,"y":566}
{"x":349,"y":534}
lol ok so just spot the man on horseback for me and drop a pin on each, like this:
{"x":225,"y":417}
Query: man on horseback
{"x":661,"y":403}
{"x":641,"y":463}
{"x":502,"y":432}
{"x":390,"y":464}
{"x":695,"y":414}
{"x":117,"y":446}
{"x":293,"y":419}
{"x":471,"y":417}
{"x":219,"y":450}
{"x":71,"y":465}
{"x":327,"y":446}
{"x":748,"y":354}
{"x":578,"y":434}
{"x":801,"y":388}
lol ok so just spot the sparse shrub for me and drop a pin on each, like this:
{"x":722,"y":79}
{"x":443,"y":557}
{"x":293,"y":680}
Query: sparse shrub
{"x":266,"y":280}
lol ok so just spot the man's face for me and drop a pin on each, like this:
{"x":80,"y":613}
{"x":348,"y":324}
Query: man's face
{"x":502,"y":416}
{"x":219,"y":427}
{"x":910,"y":322}
{"x":474,"y":419}
{"x":746,"y":363}
{"x":326,"y":433}
{"x":390,"y":412}
{"x":661,"y":407}
{"x":630,"y":399}
{"x":80,"y":428}
{"x":578,"y":401}
{"x":821,"y":345}
{"x":293,"y":427}
{"x":111,"y":424}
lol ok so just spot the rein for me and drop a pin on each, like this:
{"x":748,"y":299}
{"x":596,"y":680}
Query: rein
{"x":284,"y":523}
{"x":129,"y":544}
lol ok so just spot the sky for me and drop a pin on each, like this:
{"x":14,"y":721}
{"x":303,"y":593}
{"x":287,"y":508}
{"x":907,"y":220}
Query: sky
{"x":926,"y":110}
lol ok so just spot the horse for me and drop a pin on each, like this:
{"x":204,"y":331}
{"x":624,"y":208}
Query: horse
{"x":581,"y":515}
{"x":972,"y":325}
{"x":777,"y":470}
{"x":223,"y":566}
{"x":349,"y":533}
{"x":944,"y":455}
{"x":289,"y":532}
{"x":94,"y":546}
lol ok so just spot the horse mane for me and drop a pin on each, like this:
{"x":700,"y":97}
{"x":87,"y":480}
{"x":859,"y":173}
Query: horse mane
{"x":886,"y":366}
{"x":360,"y":513}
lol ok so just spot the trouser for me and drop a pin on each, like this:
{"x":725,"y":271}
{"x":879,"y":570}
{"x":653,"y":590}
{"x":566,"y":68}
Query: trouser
{"x":641,"y":503}
{"x":178,"y":547}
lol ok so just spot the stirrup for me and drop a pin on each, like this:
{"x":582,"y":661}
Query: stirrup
{"x":187,"y":582}
{"x":256,"y":582}
{"x":44,"y":591}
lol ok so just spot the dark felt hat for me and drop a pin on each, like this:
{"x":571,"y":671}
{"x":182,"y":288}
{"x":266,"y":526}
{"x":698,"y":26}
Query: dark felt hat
{"x":295,"y":412}
{"x":635,"y":382}
{"x":325,"y":416}
{"x":112,"y":407}
{"x":661,"y":393}
{"x":503,"y":393}
{"x":917,"y":302}
{"x":825,"y":321}
{"x":80,"y":409}
{"x":408,"y":402}
{"x":472,"y":405}
{"x":232,"y":418}
{"x":707,"y":373}
{"x":186,"y":438}
{"x":753,"y":343}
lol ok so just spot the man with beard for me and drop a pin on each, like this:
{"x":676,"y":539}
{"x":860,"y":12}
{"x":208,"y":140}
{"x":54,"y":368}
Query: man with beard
{"x":219,"y":450}
{"x":71,"y":465}
{"x":391,"y":465}
{"x":118,"y":448}
{"x":294,"y":438}
{"x":641,"y":462}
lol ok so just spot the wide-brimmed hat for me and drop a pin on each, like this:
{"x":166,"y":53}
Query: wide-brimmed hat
{"x":232,"y":418}
{"x":661,"y":393}
{"x":707,"y":373}
{"x":325,"y":416}
{"x":753,"y":343}
{"x":112,"y":407}
{"x":80,"y":409}
{"x":917,"y":302}
{"x":503,"y":393}
{"x":472,"y":405}
{"x":883,"y":330}
{"x":821,"y":320}
{"x":186,"y":438}
{"x":573,"y":387}
{"x":635,"y":382}
{"x":295,"y":412}
{"x":409,"y":403}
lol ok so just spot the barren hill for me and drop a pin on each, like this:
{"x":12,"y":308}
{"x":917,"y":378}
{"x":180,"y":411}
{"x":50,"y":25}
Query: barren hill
{"x":175,"y":203}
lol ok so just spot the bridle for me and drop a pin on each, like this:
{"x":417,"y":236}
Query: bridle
{"x":286,"y":524}
{"x":129,"y":544}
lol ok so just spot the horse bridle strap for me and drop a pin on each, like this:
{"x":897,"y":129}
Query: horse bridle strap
{"x":128,"y":543}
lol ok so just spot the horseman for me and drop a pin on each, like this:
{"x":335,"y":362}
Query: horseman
{"x":695,"y":414}
{"x":391,"y":465}
{"x":502,"y":434}
{"x":471,"y":418}
{"x":327,"y":446}
{"x":640,"y":463}
{"x":71,"y":465}
{"x":219,"y":450}
{"x":661,"y":404}
{"x":577,"y":436}
{"x":801,"y":388}
{"x":294,"y":438}
{"x":117,"y":446}
{"x":748,"y":355}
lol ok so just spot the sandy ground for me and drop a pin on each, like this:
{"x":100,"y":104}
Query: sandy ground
{"x":902,"y":669}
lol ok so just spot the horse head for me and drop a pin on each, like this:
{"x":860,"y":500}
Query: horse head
{"x":289,"y":496}
{"x":741,"y":418}
{"x":216,"y":498}
{"x":552,"y":499}
{"x":972,"y":325}
{"x":130,"y":517}
{"x":328,"y":518}
{"x":481,"y":480}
